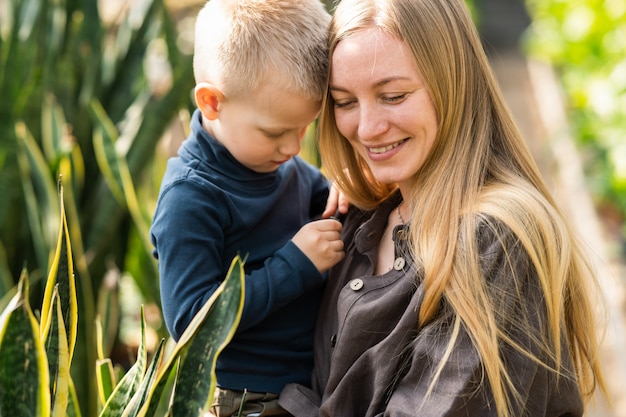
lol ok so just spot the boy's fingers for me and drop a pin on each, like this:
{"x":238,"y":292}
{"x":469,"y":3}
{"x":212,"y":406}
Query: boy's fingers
{"x":330,"y":224}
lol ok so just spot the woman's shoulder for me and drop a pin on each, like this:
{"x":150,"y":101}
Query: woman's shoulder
{"x":518,"y":210}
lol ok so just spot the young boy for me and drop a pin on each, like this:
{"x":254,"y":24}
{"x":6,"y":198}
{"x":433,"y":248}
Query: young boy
{"x":237,"y":187}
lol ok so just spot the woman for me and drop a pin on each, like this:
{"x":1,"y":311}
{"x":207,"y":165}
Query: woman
{"x":463,"y":291}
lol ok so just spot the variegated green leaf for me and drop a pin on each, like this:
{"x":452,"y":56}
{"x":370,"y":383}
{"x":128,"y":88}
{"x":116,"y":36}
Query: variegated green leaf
{"x":62,"y":274}
{"x":129,"y":384}
{"x":57,"y":352}
{"x":6,"y":279}
{"x":57,"y":19}
{"x":105,"y":374}
{"x":19,"y":32}
{"x":161,"y":395}
{"x":105,"y":377}
{"x":24,"y":378}
{"x":108,"y":310}
{"x":53,"y":129}
{"x":197,"y":373}
{"x":38,"y":188}
{"x":203,"y":340}
{"x":114,"y":166}
{"x":73,"y":408}
{"x":142,"y":394}
{"x":104,"y":138}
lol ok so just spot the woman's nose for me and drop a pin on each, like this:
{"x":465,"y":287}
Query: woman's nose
{"x":372,"y":122}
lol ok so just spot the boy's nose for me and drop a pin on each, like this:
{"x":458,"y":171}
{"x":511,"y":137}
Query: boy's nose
{"x":291,"y":144}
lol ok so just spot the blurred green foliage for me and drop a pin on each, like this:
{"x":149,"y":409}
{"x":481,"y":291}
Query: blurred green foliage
{"x":585,"y":41}
{"x":88,"y":100}
{"x":36,"y":352}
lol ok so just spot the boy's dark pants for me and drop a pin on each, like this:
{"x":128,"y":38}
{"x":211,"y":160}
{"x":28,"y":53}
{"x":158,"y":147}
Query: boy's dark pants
{"x":226,"y":403}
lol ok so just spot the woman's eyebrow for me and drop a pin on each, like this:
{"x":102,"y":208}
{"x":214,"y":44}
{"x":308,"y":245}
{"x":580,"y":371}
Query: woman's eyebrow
{"x":379,"y":83}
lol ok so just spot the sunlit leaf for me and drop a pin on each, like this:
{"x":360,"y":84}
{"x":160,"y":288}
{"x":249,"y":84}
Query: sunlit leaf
{"x":199,"y":346}
{"x":128,"y":385}
{"x":143,"y":392}
{"x":24,"y":377}
{"x":61,"y":274}
{"x":57,"y":353}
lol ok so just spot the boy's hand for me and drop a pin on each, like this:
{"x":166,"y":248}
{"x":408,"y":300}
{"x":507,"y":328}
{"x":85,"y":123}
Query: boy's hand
{"x":321,"y":242}
{"x":337,"y":202}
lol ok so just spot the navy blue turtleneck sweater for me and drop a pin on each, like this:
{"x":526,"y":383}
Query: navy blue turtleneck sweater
{"x":212,"y":208}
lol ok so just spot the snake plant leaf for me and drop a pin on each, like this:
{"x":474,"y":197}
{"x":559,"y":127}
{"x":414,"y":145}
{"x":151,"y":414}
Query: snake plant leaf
{"x":117,"y":174}
{"x":108,"y":312}
{"x":24,"y":377}
{"x":61,"y":274}
{"x":161,"y":395}
{"x":113,"y":162}
{"x":196,"y":352}
{"x":57,"y":352}
{"x":39,"y":192}
{"x":73,"y":409}
{"x":54,"y":134}
{"x":130,"y":382}
{"x":105,"y":377}
{"x":7,"y":287}
{"x":208,"y":338}
{"x":104,"y":138}
{"x":105,"y":374}
{"x":135,"y":33}
{"x":142,"y":394}
{"x":56,"y":22}
{"x":19,"y":31}
{"x":209,"y":332}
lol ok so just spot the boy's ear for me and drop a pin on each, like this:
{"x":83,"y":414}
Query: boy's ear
{"x":208,"y":98}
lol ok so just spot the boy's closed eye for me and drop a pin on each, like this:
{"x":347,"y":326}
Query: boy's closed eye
{"x":273,"y":135}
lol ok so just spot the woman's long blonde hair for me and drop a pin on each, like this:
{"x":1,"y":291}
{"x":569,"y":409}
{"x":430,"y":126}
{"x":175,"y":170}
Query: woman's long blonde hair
{"x":479,"y":167}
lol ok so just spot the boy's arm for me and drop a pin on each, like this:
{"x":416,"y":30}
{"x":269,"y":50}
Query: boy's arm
{"x":285,"y":276}
{"x":188,"y":233}
{"x":188,"y":242}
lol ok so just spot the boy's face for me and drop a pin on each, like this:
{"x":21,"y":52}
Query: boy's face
{"x":264,"y":129}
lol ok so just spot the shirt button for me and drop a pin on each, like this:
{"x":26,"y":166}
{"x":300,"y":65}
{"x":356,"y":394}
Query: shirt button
{"x":398,"y":264}
{"x":356,"y":284}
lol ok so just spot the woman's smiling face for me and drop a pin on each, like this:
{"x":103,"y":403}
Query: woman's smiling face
{"x":382,"y":105}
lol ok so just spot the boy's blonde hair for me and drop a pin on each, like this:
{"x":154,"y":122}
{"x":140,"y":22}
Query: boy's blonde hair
{"x":240,"y":44}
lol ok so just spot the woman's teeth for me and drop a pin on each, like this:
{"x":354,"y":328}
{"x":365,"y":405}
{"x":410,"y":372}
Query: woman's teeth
{"x":383,"y":149}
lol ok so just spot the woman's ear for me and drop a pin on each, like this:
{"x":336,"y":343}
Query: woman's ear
{"x":208,"y":98}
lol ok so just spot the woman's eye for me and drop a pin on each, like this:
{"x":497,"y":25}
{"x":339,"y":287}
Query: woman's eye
{"x":394,"y":98}
{"x":343,"y":104}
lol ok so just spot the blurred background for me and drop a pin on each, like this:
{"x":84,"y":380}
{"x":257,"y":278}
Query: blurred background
{"x":98,"y":95}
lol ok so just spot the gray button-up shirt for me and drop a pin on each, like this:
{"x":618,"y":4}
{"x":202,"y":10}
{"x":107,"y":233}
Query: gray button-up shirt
{"x":372,"y":359}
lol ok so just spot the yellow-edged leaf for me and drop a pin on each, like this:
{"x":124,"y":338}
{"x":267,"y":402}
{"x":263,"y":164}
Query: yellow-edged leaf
{"x":130,"y":382}
{"x":199,"y":346}
{"x":106,"y":379}
{"x":57,"y":352}
{"x":139,"y":399}
{"x":62,"y":274}
{"x":24,"y":377}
